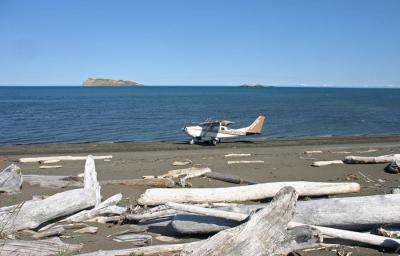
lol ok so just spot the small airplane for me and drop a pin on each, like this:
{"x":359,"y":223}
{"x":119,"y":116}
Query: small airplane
{"x":215,"y":131}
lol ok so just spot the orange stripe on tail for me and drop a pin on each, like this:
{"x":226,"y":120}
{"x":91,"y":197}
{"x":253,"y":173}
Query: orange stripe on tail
{"x":256,"y":126}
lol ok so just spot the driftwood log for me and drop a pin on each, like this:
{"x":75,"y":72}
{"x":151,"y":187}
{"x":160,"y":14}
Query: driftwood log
{"x":329,"y":232}
{"x":325,"y":163}
{"x":371,"y":160}
{"x":52,"y":159}
{"x":56,"y":181}
{"x":228,"y":178}
{"x":105,"y":207}
{"x":158,"y":196}
{"x":264,"y":234}
{"x":10,"y":179}
{"x":354,"y":213}
{"x":52,"y":246}
{"x":31,"y":214}
{"x":150,"y":182}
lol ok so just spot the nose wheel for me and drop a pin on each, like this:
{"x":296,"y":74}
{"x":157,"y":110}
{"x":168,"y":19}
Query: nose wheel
{"x":214,"y":142}
{"x":191,"y":142}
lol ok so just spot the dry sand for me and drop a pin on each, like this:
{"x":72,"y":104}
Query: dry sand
{"x":284,"y":160}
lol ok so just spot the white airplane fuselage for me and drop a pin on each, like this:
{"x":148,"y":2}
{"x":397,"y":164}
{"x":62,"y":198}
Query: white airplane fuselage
{"x":215,"y":131}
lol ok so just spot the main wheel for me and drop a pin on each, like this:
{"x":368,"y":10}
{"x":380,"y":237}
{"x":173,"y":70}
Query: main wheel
{"x":191,"y":142}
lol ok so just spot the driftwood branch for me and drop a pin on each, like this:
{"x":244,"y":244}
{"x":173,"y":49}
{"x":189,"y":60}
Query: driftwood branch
{"x":31,"y":214}
{"x":228,"y":178}
{"x":158,"y":196}
{"x":53,"y":159}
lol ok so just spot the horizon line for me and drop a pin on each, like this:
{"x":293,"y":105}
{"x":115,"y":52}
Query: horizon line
{"x":211,"y":85}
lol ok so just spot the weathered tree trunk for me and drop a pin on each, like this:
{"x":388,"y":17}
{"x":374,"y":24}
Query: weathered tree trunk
{"x":52,"y":246}
{"x":96,"y":211}
{"x":10,"y":179}
{"x":365,"y":238}
{"x":264,"y":234}
{"x":158,"y":196}
{"x":371,"y":160}
{"x":356,"y":213}
{"x":325,"y":163}
{"x":228,"y":178}
{"x":51,"y":159}
{"x":151,"y":182}
{"x":31,"y":214}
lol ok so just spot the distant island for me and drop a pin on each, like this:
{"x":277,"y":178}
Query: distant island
{"x":109,"y":82}
{"x":256,"y":86}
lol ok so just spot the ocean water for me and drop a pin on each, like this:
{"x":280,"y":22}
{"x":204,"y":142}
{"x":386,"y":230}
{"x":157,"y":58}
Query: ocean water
{"x":37,"y":115}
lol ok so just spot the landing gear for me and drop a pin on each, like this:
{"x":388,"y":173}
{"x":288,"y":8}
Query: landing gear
{"x":214,"y":142}
{"x":191,"y":142}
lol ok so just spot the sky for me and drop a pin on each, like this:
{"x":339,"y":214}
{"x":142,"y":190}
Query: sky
{"x":204,"y":42}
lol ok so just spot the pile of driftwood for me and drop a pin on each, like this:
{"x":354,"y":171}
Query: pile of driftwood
{"x":234,"y":226}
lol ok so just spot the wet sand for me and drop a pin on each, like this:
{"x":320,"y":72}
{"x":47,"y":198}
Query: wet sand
{"x":284,"y":160}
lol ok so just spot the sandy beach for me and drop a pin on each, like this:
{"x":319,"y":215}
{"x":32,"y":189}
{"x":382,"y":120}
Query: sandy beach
{"x":284,"y":160}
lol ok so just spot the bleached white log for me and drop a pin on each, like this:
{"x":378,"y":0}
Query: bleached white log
{"x":182,"y":163}
{"x":156,"y":196}
{"x":325,"y":163}
{"x":264,"y":234}
{"x":60,"y":158}
{"x":246,"y":162}
{"x":351,"y":213}
{"x":11,"y":179}
{"x":207,"y":211}
{"x":236,"y":155}
{"x":367,"y":151}
{"x":313,"y":152}
{"x":371,"y":160}
{"x":50,"y":161}
{"x":53,"y":181}
{"x":194,"y":171}
{"x":51,"y":246}
{"x":340,"y":152}
{"x":365,"y":238}
{"x":31,"y":214}
{"x":50,"y":166}
{"x":96,"y":211}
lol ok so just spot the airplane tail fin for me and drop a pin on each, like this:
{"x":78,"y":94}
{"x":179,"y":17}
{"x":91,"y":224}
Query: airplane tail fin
{"x":256,"y":126}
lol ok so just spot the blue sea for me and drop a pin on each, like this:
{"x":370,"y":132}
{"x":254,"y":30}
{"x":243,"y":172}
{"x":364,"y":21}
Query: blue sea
{"x":39,"y":115}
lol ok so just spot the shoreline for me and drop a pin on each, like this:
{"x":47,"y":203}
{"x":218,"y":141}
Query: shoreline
{"x":29,"y":149}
